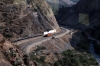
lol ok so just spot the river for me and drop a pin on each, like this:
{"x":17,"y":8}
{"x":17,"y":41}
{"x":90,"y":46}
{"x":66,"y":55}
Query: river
{"x":91,"y":49}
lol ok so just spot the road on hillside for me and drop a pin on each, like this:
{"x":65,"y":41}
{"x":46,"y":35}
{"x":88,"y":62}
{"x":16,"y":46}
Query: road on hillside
{"x":26,"y":45}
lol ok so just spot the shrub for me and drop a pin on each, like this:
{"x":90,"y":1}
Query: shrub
{"x":8,"y":35}
{"x":56,"y":64}
{"x":42,"y":58}
{"x":33,"y":57}
{"x":73,"y":58}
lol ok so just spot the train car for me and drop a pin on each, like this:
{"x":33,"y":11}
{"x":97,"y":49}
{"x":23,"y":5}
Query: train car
{"x":49,"y":33}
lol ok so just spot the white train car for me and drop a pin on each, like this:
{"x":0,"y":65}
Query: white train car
{"x":45,"y":33}
{"x":50,"y":31}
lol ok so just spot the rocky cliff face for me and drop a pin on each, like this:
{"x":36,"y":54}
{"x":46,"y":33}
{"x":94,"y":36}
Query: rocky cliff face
{"x":25,"y":18}
{"x":57,"y":4}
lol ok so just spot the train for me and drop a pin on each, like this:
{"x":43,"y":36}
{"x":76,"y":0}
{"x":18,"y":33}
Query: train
{"x":19,"y":39}
{"x":45,"y":34}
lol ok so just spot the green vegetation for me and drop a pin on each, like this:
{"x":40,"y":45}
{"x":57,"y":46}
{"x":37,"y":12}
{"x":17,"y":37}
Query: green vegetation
{"x":74,"y":58}
{"x":56,"y":64}
{"x":68,"y":58}
{"x":55,"y":12}
{"x":42,"y":58}
{"x":55,"y":8}
{"x":8,"y":35}
{"x":35,"y":58}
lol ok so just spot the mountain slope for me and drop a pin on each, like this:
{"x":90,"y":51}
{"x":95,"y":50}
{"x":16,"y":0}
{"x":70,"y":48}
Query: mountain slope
{"x":57,"y":4}
{"x":63,"y":3}
{"x":70,"y":15}
{"x":21,"y":18}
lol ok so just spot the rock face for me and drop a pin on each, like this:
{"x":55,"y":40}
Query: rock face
{"x":25,"y":18}
{"x":57,"y":4}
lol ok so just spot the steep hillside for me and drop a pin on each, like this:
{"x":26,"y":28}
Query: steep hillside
{"x":57,"y":4}
{"x":70,"y":15}
{"x":88,"y":6}
{"x":21,"y":20}
{"x":63,"y":3}
{"x":25,"y":18}
{"x":92,"y":8}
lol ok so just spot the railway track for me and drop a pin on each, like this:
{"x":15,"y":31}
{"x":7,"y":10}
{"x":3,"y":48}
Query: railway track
{"x":27,"y":44}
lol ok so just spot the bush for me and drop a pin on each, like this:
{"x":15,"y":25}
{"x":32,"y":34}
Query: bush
{"x":8,"y":35}
{"x":60,"y":61}
{"x":33,"y":57}
{"x":73,"y":58}
{"x":56,"y":64}
{"x":42,"y":58}
{"x":67,"y":53}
